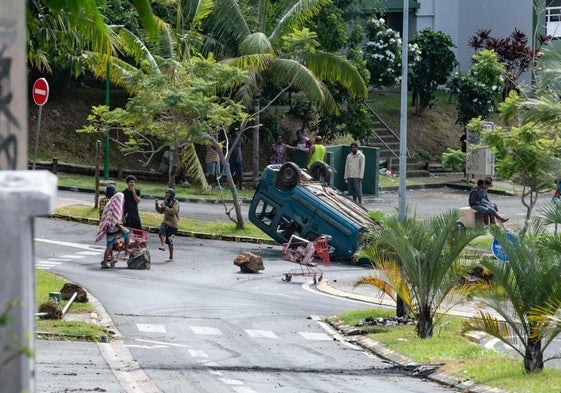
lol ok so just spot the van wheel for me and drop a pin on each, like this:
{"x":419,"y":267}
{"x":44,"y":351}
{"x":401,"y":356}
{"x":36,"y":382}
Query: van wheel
{"x":320,"y":171}
{"x":287,"y":177}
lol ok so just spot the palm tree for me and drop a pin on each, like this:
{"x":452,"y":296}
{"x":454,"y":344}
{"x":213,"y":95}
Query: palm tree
{"x":418,"y":262}
{"x":61,"y":30}
{"x":526,"y":295}
{"x":276,"y":51}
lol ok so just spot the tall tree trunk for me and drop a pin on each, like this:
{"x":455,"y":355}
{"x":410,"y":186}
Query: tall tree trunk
{"x":255,"y":155}
{"x":172,"y":167}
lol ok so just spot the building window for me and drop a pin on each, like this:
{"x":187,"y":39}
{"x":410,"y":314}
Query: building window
{"x":553,"y":19}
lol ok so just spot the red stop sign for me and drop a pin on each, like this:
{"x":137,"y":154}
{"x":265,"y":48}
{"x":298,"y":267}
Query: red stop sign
{"x":40,"y":91}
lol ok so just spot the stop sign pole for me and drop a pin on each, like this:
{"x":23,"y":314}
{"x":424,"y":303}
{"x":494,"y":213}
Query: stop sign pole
{"x":40,"y":93}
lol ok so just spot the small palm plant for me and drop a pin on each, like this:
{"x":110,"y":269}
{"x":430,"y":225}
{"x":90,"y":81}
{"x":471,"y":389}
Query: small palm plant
{"x":419,"y":262}
{"x":526,"y":295}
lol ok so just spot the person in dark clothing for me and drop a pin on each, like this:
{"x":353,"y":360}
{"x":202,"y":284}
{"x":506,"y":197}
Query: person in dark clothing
{"x":131,"y":218}
{"x":478,"y":203}
{"x":235,"y":160}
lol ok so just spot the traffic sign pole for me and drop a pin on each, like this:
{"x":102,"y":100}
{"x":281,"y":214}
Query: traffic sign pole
{"x":40,"y":93}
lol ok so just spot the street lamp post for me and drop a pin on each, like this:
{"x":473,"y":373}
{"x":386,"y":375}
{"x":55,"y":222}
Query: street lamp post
{"x":106,"y":147}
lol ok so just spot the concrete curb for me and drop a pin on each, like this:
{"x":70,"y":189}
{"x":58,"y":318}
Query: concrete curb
{"x":428,"y":371}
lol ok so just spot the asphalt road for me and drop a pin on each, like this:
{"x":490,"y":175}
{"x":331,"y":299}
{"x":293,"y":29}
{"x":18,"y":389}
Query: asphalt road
{"x":199,"y":325}
{"x":424,"y":203}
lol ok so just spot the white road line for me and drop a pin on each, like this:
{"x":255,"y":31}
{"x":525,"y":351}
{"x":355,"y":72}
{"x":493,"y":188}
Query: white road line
{"x":90,"y":253}
{"x":73,"y":256}
{"x":243,"y":389}
{"x":69,"y":244}
{"x":161,"y":343}
{"x":146,"y":346}
{"x":197,"y":353}
{"x":315,"y":336}
{"x":261,"y":333}
{"x":230,"y":381}
{"x":206,"y":330}
{"x":152,"y":328}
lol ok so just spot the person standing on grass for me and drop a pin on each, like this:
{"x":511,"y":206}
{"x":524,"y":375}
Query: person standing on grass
{"x":168,"y":228}
{"x":354,"y":172}
{"x":131,"y":218}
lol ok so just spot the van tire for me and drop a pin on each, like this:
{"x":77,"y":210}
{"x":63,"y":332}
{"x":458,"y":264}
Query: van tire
{"x":320,"y":171}
{"x":287,"y":177}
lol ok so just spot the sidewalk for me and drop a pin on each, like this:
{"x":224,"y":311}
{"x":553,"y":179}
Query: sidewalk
{"x":108,"y":366}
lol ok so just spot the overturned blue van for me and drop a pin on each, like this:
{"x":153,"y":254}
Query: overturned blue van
{"x":289,"y":201}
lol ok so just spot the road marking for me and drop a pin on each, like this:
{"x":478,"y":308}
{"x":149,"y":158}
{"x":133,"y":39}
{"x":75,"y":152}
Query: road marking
{"x":197,"y":353}
{"x":215,"y":372}
{"x":161,"y":343}
{"x":146,"y":346}
{"x":90,"y":253}
{"x":261,"y":333}
{"x":230,"y":381}
{"x":243,"y":389}
{"x":69,"y":244}
{"x":315,"y":336}
{"x":74,"y":256}
{"x":206,"y":330}
{"x":152,"y":328}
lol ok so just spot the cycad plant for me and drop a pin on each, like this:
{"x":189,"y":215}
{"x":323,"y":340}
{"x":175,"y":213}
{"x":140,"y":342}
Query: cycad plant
{"x":525,"y":295}
{"x":418,"y":261}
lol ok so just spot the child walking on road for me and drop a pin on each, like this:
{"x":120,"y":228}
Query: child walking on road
{"x":110,"y":227}
{"x":168,"y":229}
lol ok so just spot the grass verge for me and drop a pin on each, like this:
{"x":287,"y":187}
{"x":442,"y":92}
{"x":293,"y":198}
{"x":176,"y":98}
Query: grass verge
{"x":46,"y":282}
{"x":456,"y":354}
{"x":154,"y":220}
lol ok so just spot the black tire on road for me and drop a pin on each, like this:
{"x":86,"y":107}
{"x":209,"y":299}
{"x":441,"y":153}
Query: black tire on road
{"x":287,"y":177}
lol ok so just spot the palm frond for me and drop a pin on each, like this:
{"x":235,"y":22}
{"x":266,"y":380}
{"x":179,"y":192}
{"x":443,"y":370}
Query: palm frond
{"x":494,"y":327}
{"x":335,"y":68}
{"x":295,"y":14}
{"x":256,"y":43}
{"x":227,"y":24}
{"x":193,"y":166}
{"x":288,"y":72}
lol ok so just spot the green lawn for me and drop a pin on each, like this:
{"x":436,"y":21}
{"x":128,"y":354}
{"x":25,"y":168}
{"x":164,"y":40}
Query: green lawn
{"x":457,"y":355}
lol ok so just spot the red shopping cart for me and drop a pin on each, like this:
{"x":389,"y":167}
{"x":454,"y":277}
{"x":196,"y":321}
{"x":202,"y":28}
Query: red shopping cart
{"x":305,"y":253}
{"x":138,"y":240}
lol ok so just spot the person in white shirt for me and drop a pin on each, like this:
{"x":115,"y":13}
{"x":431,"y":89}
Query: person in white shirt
{"x":354,"y":173}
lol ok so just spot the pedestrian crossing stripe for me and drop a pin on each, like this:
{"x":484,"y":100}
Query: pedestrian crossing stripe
{"x":261,"y":333}
{"x":197,"y":353}
{"x":206,"y":330}
{"x":90,"y":253}
{"x":150,"y":328}
{"x":315,"y":336}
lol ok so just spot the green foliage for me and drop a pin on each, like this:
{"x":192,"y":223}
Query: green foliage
{"x":455,"y":160}
{"x":530,"y":280}
{"x":434,"y":67}
{"x":418,"y":262}
{"x":478,"y":92}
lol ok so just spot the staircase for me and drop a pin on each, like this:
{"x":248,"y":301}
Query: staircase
{"x":387,"y":141}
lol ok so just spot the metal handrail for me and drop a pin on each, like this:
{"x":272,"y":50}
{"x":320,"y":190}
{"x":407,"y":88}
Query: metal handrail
{"x":373,"y":113}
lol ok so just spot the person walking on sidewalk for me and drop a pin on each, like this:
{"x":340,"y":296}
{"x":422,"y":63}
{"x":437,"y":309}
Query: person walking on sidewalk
{"x":168,"y":228}
{"x":131,"y":218}
{"x":354,"y":173}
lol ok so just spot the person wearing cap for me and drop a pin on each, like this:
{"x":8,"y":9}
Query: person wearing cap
{"x":109,"y":192}
{"x":354,"y":173}
{"x":168,"y":228}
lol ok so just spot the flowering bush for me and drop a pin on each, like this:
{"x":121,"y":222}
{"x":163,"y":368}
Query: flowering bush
{"x":382,"y":54}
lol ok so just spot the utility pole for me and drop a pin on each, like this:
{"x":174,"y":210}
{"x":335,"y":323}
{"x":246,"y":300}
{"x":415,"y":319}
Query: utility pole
{"x":23,"y":194}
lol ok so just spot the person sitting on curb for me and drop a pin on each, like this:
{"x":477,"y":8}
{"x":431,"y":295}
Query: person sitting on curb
{"x":168,"y":228}
{"x":477,"y":203}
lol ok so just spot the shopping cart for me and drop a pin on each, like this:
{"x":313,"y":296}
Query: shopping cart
{"x":138,"y":240}
{"x":305,"y":253}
